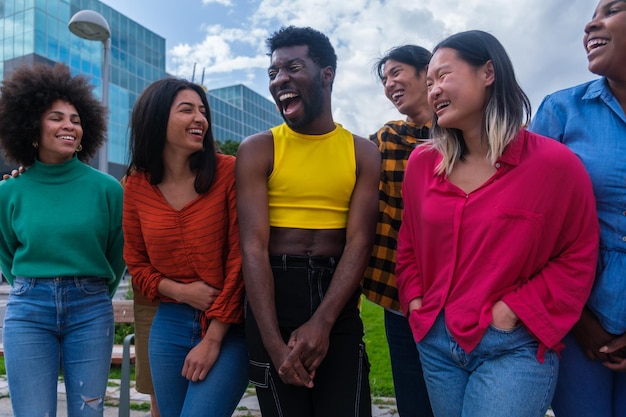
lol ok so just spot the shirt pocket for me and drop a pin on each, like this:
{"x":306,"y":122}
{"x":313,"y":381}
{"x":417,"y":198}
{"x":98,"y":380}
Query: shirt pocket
{"x":513,"y":239}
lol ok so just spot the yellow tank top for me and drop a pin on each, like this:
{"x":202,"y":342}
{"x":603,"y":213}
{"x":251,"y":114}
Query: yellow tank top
{"x":311,"y":184}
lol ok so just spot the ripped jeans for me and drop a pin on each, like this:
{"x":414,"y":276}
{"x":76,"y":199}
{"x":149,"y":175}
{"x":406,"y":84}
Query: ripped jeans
{"x":341,"y":381}
{"x":53,"y":322}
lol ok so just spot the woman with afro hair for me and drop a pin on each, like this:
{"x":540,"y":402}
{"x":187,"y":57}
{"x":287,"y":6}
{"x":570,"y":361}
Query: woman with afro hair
{"x":60,"y":242}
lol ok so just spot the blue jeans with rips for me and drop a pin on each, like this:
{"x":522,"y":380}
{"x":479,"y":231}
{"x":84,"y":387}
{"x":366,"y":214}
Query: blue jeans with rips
{"x":587,"y":388}
{"x":501,"y":377}
{"x":406,"y":368}
{"x":52,"y":323}
{"x":175,"y":331}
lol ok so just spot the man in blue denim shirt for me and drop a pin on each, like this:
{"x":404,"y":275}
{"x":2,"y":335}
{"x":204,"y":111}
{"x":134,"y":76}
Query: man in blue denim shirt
{"x":590,"y":119}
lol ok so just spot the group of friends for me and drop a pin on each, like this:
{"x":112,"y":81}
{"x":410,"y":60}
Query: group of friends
{"x":495,"y":243}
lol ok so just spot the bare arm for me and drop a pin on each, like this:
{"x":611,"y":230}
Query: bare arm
{"x":202,"y":357}
{"x":197,"y":294}
{"x":254,"y":163}
{"x":310,"y":341}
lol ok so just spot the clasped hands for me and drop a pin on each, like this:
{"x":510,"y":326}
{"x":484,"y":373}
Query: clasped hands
{"x":304,"y":352}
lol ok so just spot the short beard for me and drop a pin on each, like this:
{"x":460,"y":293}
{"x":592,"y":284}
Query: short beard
{"x":312,"y":110}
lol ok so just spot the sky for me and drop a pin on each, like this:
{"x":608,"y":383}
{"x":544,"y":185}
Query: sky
{"x":225,"y":39}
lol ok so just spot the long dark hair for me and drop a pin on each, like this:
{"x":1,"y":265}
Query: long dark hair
{"x":148,"y":133}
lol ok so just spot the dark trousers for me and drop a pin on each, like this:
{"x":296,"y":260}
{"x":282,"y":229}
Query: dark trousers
{"x":341,"y":381}
{"x":408,"y":379}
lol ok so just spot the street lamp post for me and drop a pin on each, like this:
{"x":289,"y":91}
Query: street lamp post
{"x":90,"y":25}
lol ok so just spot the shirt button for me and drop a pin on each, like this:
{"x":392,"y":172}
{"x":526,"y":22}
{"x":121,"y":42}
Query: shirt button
{"x":624,"y":212}
{"x":497,"y":164}
{"x":623,"y":238}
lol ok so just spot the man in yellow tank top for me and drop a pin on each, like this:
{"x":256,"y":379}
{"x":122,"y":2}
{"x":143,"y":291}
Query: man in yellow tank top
{"x":307,"y":201}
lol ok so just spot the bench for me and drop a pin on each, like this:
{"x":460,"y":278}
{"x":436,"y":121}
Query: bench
{"x":123,"y":313}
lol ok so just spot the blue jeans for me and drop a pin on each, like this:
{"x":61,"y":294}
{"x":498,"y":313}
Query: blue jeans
{"x":341,"y":386}
{"x":175,"y":331}
{"x":406,"y":368}
{"x":49,"y":322}
{"x":501,"y":377}
{"x":586,"y":387}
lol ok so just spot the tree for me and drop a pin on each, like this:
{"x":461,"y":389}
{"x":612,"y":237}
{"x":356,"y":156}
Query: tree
{"x":228,"y":146}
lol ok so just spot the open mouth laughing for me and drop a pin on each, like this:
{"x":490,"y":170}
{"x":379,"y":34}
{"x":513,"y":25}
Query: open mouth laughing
{"x":397,"y":95}
{"x":595,"y":43}
{"x":288,"y":102}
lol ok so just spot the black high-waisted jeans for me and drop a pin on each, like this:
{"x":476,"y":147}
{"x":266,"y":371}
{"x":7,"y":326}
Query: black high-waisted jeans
{"x":341,"y":382}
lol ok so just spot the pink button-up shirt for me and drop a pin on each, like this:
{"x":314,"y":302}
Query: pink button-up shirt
{"x":527,"y":236}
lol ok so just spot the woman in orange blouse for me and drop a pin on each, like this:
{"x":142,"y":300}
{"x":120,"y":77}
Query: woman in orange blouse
{"x":182,"y":243}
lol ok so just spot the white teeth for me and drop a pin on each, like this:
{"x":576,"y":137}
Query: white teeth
{"x":67,"y":138}
{"x":195,"y":131}
{"x":395,"y":96}
{"x":594,"y":43}
{"x":287,"y":96}
{"x":442,"y":105}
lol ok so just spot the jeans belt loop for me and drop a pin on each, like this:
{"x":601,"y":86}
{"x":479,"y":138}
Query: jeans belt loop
{"x":284,"y":259}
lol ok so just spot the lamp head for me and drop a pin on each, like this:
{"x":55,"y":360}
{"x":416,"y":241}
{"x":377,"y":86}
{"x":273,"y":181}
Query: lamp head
{"x":90,"y":25}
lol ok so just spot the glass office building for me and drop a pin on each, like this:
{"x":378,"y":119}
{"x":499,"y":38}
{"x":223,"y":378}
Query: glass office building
{"x":36,"y":31}
{"x":237,"y":112}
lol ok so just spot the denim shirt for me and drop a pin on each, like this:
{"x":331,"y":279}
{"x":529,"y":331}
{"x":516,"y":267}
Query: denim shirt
{"x":590,"y":121}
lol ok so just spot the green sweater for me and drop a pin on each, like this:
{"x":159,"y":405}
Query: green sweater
{"x":62,"y":220}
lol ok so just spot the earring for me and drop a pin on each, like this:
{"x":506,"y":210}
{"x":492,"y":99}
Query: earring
{"x":80,"y":148}
{"x":35,"y":145}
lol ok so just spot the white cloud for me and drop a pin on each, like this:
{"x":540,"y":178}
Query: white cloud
{"x":543,"y":38}
{"x":222,"y":2}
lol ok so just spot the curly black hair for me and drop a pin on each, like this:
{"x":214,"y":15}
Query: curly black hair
{"x":28,"y":92}
{"x":320,"y":49}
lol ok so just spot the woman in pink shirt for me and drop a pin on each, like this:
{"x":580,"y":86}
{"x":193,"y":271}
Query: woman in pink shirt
{"x":499,"y":240}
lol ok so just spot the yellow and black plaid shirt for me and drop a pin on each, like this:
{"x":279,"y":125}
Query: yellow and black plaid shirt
{"x":396,"y":140}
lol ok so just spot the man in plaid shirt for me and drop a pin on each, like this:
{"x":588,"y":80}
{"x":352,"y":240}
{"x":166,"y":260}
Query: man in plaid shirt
{"x":402,"y":72}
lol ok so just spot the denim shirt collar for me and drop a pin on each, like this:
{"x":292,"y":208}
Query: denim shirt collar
{"x":599,"y":89}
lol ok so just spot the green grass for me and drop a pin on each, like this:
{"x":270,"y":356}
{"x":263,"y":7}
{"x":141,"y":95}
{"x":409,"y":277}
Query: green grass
{"x":381,"y":383}
{"x":116,"y":372}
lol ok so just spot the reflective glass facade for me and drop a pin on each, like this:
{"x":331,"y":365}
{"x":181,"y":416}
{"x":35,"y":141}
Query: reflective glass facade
{"x":36,"y":31}
{"x":237,"y":112}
